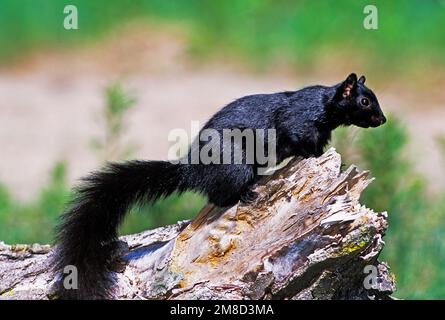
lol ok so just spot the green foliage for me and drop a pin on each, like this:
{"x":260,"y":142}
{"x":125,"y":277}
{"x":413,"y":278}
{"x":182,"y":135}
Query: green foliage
{"x":164,"y":212}
{"x":34,"y":221}
{"x":254,"y":29}
{"x":441,"y":143}
{"x":415,"y":250}
{"x":118,"y":103}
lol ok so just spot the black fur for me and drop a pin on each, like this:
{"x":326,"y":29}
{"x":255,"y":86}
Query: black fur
{"x":304,"y":119}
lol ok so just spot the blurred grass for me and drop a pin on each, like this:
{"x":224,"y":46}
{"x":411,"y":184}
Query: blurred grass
{"x":164,"y":212}
{"x":409,"y":32}
{"x":34,"y":221}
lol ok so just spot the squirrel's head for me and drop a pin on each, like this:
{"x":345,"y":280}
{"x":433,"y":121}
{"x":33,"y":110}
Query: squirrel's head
{"x":358,"y":103}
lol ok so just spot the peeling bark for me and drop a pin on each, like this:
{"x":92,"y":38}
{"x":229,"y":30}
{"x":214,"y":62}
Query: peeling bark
{"x":306,"y":236}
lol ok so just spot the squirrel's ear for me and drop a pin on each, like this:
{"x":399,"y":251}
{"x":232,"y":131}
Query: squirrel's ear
{"x":362,"y":79}
{"x":349,"y":84}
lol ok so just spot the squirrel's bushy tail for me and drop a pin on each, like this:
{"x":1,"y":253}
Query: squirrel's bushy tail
{"x":87,"y":234}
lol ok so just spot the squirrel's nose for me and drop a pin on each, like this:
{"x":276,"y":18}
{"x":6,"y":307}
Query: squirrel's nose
{"x":382,"y":119}
{"x":378,"y":120}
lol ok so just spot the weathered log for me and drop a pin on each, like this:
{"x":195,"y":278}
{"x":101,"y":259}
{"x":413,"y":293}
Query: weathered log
{"x":305,"y":236}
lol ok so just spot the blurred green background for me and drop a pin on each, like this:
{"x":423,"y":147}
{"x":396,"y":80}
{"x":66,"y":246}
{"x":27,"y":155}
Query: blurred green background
{"x":226,"y":44}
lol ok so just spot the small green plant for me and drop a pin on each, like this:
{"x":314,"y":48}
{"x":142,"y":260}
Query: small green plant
{"x":113,"y":148}
{"x":118,"y":103}
{"x":441,"y":143}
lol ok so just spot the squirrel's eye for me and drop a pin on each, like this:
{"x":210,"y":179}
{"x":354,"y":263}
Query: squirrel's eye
{"x":364,"y":102}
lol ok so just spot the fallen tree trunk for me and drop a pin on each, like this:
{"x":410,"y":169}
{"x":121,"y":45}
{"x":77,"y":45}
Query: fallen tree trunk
{"x":305,"y":237}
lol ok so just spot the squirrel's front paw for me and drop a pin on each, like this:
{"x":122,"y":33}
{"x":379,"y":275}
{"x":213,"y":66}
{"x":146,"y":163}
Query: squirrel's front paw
{"x":248,"y":197}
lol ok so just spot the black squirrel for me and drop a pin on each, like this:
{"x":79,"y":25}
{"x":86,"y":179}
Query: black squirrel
{"x":303,"y":121}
